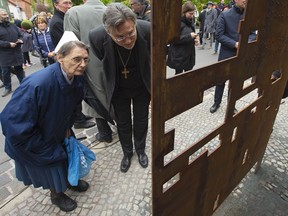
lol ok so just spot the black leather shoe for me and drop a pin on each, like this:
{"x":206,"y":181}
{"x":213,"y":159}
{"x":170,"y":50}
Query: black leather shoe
{"x":88,"y":117}
{"x":106,"y":139}
{"x":125,"y":163}
{"x":84,"y":124}
{"x":214,"y":108}
{"x":81,"y":187}
{"x":143,"y":159}
{"x":64,"y":202}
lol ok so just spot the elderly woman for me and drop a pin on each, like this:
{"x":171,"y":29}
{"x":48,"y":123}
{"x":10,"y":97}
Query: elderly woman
{"x":37,"y":119}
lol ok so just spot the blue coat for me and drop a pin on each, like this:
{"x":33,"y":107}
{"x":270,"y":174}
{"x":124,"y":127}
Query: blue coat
{"x":41,"y":110}
{"x":227,"y":32}
{"x":44,"y":42}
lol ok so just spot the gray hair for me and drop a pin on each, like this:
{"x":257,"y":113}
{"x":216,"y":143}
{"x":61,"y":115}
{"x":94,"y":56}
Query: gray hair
{"x":116,"y":14}
{"x":67,"y":47}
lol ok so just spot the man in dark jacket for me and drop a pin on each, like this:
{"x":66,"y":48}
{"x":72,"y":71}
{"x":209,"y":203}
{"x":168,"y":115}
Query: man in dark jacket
{"x":124,"y":49}
{"x":57,"y":30}
{"x":142,"y":9}
{"x":202,"y":21}
{"x":56,"y":24}
{"x":10,"y":51}
{"x":227,"y":34}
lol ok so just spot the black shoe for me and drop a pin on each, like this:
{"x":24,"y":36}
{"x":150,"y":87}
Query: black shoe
{"x":64,"y":202}
{"x":143,"y":159}
{"x":88,"y":117}
{"x":125,"y":163}
{"x":84,"y":124}
{"x":81,"y":187}
{"x":107,"y":139}
{"x":6,"y":92}
{"x":214,"y":108}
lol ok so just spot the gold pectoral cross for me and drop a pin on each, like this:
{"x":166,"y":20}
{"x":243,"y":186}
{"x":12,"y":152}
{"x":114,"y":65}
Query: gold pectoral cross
{"x":125,"y":72}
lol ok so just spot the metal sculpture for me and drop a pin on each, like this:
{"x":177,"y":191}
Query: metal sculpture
{"x":197,"y":186}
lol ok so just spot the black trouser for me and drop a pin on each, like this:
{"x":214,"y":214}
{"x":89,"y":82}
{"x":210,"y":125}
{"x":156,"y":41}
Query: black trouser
{"x":121,"y":101}
{"x":178,"y":71}
{"x":219,"y":89}
{"x":104,"y":129}
{"x":80,"y":117}
{"x":26,"y":58}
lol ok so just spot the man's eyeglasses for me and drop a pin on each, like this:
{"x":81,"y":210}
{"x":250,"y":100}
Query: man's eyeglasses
{"x":122,"y":38}
{"x":78,"y":60}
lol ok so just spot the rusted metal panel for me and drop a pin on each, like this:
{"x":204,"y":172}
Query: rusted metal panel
{"x":200,"y":185}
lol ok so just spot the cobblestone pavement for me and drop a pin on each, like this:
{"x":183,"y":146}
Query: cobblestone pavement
{"x":113,"y":193}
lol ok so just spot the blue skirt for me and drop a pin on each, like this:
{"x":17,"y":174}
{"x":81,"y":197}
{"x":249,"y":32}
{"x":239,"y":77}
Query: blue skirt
{"x":49,"y":177}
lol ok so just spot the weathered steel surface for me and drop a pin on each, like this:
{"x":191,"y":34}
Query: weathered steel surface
{"x":204,"y":183}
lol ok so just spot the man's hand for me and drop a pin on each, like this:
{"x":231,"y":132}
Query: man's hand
{"x":194,"y":35}
{"x":236,"y":45}
{"x":13,"y":44}
{"x":19,"y":41}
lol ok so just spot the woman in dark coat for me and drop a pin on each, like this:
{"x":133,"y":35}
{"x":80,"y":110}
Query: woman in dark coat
{"x":39,"y":116}
{"x":181,"y":54}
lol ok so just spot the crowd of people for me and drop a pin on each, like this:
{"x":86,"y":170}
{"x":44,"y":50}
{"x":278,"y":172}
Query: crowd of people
{"x":110,"y":77}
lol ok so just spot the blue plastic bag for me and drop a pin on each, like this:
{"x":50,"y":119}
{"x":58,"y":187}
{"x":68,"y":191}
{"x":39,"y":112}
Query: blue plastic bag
{"x":79,"y":159}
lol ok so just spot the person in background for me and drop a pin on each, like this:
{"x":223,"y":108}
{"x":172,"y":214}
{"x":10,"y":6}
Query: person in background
{"x":27,"y":46}
{"x":202,"y":21}
{"x":231,"y":3}
{"x":45,"y":15}
{"x":142,"y":9}
{"x":57,"y":31}
{"x":181,"y":54}
{"x":35,"y":128}
{"x":42,"y":40}
{"x":81,"y":25}
{"x":56,"y":24}
{"x":10,"y":51}
{"x":209,"y":24}
{"x":216,"y":45}
{"x":123,"y":46}
{"x":221,"y":5}
{"x":1,"y":85}
{"x":227,"y":34}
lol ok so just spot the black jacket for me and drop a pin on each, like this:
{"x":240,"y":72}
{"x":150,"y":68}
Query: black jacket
{"x":103,"y":47}
{"x":181,"y":54}
{"x":56,"y":26}
{"x":10,"y":56}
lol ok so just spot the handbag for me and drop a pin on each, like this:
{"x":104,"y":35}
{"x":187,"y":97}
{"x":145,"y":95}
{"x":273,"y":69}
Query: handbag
{"x":79,"y":159}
